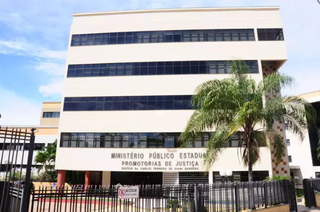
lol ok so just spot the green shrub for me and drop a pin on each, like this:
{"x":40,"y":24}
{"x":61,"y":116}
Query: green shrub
{"x":277,"y":178}
{"x":173,"y":203}
{"x":47,"y":176}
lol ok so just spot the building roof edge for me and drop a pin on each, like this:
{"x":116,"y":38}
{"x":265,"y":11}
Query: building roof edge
{"x":28,"y":126}
{"x":51,"y":102}
{"x":175,"y":10}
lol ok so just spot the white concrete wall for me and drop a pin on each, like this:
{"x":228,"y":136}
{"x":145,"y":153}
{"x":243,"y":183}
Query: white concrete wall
{"x":91,"y":159}
{"x":125,"y":121}
{"x":157,"y":121}
{"x":182,"y":51}
{"x":197,"y":18}
{"x":47,"y":139}
{"x":138,"y":85}
{"x":300,"y":152}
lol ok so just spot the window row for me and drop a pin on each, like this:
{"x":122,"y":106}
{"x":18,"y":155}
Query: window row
{"x":162,"y":37}
{"x":181,"y":102}
{"x":288,"y":142}
{"x":51,"y":114}
{"x":136,"y":140}
{"x":240,"y":176}
{"x":12,"y":146}
{"x":6,"y":167}
{"x":270,"y":34}
{"x":156,"y":68}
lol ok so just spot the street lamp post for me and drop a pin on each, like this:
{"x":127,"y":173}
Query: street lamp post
{"x":225,"y":174}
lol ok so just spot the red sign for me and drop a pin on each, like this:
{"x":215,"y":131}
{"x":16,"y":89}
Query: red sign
{"x":122,"y":192}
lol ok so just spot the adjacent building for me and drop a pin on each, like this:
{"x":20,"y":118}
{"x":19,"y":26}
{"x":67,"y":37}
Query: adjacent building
{"x":128,"y":83}
{"x":303,"y":154}
{"x":46,"y":133}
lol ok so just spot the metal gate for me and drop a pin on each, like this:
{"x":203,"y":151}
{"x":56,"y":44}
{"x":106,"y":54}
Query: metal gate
{"x":309,"y":188}
{"x":16,"y":152}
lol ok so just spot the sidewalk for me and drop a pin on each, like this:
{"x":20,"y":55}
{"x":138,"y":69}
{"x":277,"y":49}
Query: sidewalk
{"x":302,"y":208}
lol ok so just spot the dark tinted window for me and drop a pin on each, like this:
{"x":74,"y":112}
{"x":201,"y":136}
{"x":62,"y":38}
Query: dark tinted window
{"x":120,"y":140}
{"x":133,"y":140}
{"x":156,"y":68}
{"x":128,"y":103}
{"x":163,"y":36}
{"x":51,"y":114}
{"x":240,"y":176}
{"x":21,"y":146}
{"x":270,"y":34}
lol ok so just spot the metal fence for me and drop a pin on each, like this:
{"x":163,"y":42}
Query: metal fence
{"x":309,"y":188}
{"x":165,"y":198}
{"x":15,"y":186}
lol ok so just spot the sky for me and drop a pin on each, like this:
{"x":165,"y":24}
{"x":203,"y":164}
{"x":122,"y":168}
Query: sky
{"x":34,"y":40}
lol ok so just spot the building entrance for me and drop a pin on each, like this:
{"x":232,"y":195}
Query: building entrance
{"x":136,"y":178}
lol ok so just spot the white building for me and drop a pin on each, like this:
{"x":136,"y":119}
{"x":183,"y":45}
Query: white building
{"x":303,"y":159}
{"x":15,"y":149}
{"x":129,"y":79}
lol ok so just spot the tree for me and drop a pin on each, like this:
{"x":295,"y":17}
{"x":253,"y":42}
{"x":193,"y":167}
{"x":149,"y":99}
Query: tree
{"x":238,"y":105}
{"x":47,"y":157}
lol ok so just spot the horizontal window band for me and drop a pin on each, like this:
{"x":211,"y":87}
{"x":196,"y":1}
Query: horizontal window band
{"x":156,"y":68}
{"x":21,"y":146}
{"x":179,"y":102}
{"x":51,"y":115}
{"x":136,"y":140}
{"x":207,"y":35}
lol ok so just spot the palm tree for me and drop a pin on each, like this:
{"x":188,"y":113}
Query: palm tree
{"x":46,"y":157}
{"x":238,"y":105}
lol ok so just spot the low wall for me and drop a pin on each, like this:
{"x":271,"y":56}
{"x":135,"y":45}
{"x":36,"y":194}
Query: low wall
{"x":317,"y":200}
{"x":278,"y":208}
{"x":53,"y":185}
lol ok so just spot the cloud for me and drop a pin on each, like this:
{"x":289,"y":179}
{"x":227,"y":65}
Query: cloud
{"x":141,"y":4}
{"x":18,"y":110}
{"x":24,"y":48}
{"x":55,"y":72}
{"x":16,"y":22}
{"x":51,"y":68}
{"x":49,"y":62}
{"x":53,"y":88}
{"x":41,"y":32}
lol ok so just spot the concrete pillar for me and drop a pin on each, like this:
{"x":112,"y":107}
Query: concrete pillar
{"x":61,"y":178}
{"x":106,"y":178}
{"x":87,"y":179}
{"x":210,"y":177}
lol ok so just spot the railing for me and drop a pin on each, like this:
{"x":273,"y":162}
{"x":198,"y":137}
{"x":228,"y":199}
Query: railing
{"x":165,"y":198}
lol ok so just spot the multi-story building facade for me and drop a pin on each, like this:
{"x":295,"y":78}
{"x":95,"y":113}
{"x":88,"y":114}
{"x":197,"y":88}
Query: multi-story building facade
{"x":46,"y":133}
{"x":303,"y":154}
{"x":129,"y":79}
